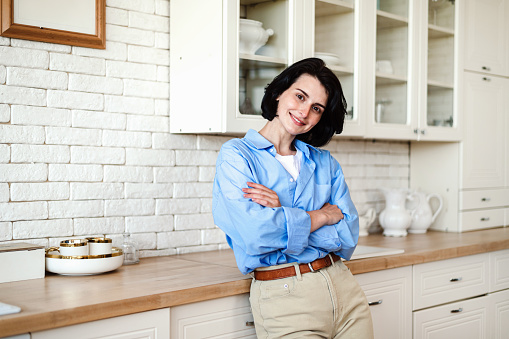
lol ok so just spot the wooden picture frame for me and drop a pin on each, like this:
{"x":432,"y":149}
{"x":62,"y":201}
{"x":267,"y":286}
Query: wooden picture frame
{"x":10,"y":29}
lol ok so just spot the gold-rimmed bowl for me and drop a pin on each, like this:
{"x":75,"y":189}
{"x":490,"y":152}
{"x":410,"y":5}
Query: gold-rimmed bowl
{"x":83,"y":264}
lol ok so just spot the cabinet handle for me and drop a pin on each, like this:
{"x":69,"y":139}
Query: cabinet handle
{"x":486,"y":68}
{"x":374,"y":303}
{"x":423,"y":131}
{"x":249,"y":323}
{"x":485,"y":219}
{"x":416,"y":131}
{"x":458,"y":310}
{"x":486,"y":199}
{"x":456,"y":279}
{"x":486,"y":79}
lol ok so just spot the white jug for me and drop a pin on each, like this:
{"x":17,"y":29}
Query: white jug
{"x":395,"y":219}
{"x":365,"y":221}
{"x":423,"y":216}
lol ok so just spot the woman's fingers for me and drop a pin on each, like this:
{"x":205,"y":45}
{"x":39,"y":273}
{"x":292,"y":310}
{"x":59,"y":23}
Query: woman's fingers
{"x":261,"y":195}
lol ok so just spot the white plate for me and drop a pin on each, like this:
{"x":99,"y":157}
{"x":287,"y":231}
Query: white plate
{"x":328,"y":58}
{"x":83,"y":265}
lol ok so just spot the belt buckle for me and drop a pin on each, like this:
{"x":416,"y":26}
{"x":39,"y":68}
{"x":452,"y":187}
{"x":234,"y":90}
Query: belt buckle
{"x":311,"y":267}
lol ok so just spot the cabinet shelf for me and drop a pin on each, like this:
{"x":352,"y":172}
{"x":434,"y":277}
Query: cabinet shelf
{"x":389,"y":20}
{"x":437,"y":32}
{"x":333,"y":7}
{"x":260,"y":61}
{"x":439,"y":85}
{"x":389,"y":79}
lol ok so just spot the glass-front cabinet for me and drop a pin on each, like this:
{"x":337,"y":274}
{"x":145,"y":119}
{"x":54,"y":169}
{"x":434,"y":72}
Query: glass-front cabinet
{"x":396,"y":60}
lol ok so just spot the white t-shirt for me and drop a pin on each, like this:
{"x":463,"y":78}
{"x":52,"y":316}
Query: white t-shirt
{"x":291,"y":163}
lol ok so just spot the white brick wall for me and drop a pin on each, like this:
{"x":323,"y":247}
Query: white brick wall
{"x":85,"y":148}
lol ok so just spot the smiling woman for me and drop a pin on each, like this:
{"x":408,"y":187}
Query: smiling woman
{"x":286,"y":211}
{"x":70,"y":22}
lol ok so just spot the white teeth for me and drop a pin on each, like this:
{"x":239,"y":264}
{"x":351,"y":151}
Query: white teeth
{"x":297,"y":120}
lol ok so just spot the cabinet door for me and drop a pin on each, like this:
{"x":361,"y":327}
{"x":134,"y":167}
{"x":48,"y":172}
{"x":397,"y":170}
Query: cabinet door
{"x":389,"y":296}
{"x":484,"y":155}
{"x":392,"y":47}
{"x":466,"y":319}
{"x":228,"y":317}
{"x":146,"y":325}
{"x":499,"y":270}
{"x":438,"y":111}
{"x":442,"y":281}
{"x":499,"y":314}
{"x":486,"y":36}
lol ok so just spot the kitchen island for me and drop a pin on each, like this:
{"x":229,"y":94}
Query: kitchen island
{"x":162,"y":282}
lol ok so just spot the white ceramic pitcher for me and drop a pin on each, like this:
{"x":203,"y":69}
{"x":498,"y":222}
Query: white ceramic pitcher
{"x":423,"y":216}
{"x":395,"y":218}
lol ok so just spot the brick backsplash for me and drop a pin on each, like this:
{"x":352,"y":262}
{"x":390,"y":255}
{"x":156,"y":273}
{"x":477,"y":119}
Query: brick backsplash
{"x":85,"y":148}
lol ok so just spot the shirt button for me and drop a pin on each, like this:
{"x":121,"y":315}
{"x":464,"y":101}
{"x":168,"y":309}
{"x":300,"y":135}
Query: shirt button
{"x":291,"y":180}
{"x":272,"y":150}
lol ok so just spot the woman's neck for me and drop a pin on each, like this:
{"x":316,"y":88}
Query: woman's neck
{"x":279,"y":137}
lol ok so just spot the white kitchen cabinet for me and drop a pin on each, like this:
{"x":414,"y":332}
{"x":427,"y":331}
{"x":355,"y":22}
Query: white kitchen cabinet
{"x":472,"y":175}
{"x":467,"y":319}
{"x":145,"y":325}
{"x":412,"y":97}
{"x":499,"y":268}
{"x":498,"y":321}
{"x":389,"y":294}
{"x":487,"y":36}
{"x":416,"y":97}
{"x":228,"y":317}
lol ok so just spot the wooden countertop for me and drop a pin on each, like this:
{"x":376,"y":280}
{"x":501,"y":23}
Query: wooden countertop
{"x":161,"y":282}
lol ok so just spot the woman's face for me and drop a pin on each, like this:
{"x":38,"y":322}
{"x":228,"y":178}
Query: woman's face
{"x":301,"y":106}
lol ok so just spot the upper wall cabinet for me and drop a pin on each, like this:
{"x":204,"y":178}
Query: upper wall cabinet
{"x":487,"y":42}
{"x":396,"y":60}
{"x":414,"y":53}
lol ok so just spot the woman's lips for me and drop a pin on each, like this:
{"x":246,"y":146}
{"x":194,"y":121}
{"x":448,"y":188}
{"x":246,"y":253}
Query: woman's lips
{"x":296,"y":121}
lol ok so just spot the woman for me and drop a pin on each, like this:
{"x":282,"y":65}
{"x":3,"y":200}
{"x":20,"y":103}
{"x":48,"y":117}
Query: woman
{"x":286,"y":210}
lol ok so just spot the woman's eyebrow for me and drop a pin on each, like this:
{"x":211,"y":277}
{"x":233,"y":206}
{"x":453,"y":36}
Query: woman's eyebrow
{"x":307,"y":96}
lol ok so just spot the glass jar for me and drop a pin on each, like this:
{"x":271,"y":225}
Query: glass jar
{"x":130,"y":249}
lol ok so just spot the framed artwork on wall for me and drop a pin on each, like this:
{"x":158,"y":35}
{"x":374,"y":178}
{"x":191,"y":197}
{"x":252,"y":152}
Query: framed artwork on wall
{"x":69,"y":22}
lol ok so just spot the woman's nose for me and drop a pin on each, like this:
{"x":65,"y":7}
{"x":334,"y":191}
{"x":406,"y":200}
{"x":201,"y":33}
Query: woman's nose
{"x":304,"y":110}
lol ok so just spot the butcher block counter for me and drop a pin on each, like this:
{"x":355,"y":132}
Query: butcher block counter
{"x":162,"y":282}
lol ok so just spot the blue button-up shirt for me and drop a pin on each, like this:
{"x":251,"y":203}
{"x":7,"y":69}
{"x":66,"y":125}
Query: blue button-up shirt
{"x":263,"y":236}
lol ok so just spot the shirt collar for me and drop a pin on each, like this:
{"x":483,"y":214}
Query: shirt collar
{"x":259,"y":142}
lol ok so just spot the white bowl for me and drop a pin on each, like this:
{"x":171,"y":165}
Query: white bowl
{"x":83,"y":265}
{"x":329,"y":58}
{"x":252,"y":36}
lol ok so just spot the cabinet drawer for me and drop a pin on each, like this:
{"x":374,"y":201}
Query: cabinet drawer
{"x":228,"y":317}
{"x":474,"y":220}
{"x":499,"y":270}
{"x":484,"y":199}
{"x":443,"y":281}
{"x":466,"y":319}
{"x":389,"y":295}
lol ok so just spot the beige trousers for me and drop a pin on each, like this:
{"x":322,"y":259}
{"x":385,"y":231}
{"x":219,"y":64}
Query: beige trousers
{"x":324,"y":304}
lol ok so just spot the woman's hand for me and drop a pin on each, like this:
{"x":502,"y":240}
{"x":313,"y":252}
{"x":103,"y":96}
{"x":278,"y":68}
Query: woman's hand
{"x":327,"y":215}
{"x":261,"y":195}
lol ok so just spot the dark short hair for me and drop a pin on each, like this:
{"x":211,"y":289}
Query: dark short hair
{"x":333,"y":117}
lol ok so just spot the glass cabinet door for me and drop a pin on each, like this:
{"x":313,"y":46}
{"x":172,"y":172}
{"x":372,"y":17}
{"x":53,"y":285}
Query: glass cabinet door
{"x":336,"y":34}
{"x":263,"y":50}
{"x":392,"y":62}
{"x":440,"y":116}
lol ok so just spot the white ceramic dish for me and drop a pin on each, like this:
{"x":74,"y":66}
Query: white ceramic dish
{"x":83,"y":265}
{"x":328,"y":58}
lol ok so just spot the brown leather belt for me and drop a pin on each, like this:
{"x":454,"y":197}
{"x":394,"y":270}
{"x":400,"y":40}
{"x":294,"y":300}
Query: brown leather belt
{"x":289,"y":271}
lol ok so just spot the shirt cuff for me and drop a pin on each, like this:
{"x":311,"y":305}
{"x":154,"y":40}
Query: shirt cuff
{"x":298,"y":227}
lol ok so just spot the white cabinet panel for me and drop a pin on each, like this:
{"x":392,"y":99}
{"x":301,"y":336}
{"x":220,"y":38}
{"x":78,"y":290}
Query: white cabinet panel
{"x":486,"y":36}
{"x":443,"y":281}
{"x":463,"y":319}
{"x":499,"y":270}
{"x":484,"y":147}
{"x":389,"y":295}
{"x":228,"y":317}
{"x":498,"y":321}
{"x":475,"y":220}
{"x":484,"y":199}
{"x":145,"y":325}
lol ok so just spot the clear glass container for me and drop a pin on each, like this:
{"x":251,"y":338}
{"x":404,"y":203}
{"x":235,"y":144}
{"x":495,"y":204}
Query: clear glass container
{"x":130,"y":249}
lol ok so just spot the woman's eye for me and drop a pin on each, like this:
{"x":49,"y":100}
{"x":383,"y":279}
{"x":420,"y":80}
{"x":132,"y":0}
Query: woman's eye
{"x":300,"y":96}
{"x":317,"y":109}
